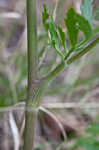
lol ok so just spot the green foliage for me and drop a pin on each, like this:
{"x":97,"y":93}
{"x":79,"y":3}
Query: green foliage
{"x":90,"y":142}
{"x":45,"y":17}
{"x":57,"y":39}
{"x":62,"y":37}
{"x":72,"y":28}
{"x":75,"y":23}
{"x":87,"y":10}
{"x":55,"y":33}
{"x":54,"y":38}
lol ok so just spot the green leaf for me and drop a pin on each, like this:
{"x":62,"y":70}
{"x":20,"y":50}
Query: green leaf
{"x":62,"y":37}
{"x":52,"y":33}
{"x":45,"y":17}
{"x":75,"y":23}
{"x":84,"y":26}
{"x":87,"y":10}
{"x":72,"y":28}
{"x":54,"y":38}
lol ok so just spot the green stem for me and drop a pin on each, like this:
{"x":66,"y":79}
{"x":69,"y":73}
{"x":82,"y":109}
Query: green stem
{"x":55,"y":72}
{"x":32,"y":40}
{"x":32,"y":74}
{"x":86,"y":49}
{"x":61,"y":66}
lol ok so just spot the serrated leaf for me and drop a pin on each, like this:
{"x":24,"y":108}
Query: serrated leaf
{"x":75,"y":23}
{"x":62,"y":37}
{"x":87,"y":10}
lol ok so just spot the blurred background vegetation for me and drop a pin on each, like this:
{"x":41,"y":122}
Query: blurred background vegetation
{"x":77,"y":83}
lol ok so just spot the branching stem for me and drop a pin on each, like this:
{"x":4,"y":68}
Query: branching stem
{"x":60,"y":67}
{"x":37,"y":87}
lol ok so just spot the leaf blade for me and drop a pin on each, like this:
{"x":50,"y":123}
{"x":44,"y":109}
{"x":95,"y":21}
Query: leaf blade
{"x":76,"y":23}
